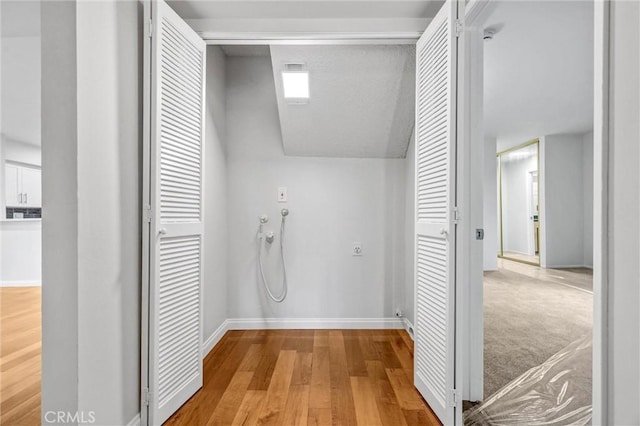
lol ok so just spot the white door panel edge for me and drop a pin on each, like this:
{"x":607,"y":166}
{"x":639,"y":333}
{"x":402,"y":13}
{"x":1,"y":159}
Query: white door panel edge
{"x":175,"y":215}
{"x":469,"y":294}
{"x":435,"y":244}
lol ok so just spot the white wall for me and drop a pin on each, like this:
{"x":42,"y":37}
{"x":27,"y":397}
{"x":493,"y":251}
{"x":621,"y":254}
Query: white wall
{"x":490,"y":206}
{"x":59,"y":200}
{"x":409,"y":230}
{"x":109,"y":205}
{"x":517,"y":227}
{"x":623,"y":295}
{"x":333,"y":202}
{"x":21,"y":152}
{"x":21,"y":87}
{"x":91,"y":229}
{"x":562,"y":202}
{"x":587,"y":184}
{"x":215,"y":196}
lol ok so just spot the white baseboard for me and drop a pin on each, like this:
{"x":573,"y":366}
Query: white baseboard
{"x":20,"y":284}
{"x":313,"y":323}
{"x":408,"y":327}
{"x":214,"y":338}
{"x":566,"y":266}
{"x":135,"y":421}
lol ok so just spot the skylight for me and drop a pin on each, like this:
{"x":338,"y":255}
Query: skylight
{"x":296,"y":84}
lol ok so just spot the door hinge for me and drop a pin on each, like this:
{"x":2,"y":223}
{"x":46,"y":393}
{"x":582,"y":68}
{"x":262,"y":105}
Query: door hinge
{"x":147,"y":214}
{"x":150,"y":28}
{"x":454,"y":398}
{"x":146,"y":396}
{"x":456,"y":215}
{"x":459,"y":27}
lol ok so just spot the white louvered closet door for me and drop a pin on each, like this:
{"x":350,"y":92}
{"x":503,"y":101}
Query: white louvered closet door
{"x":177,"y":132}
{"x":434,"y":326}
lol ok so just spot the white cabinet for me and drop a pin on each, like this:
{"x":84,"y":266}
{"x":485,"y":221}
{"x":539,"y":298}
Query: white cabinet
{"x":31,"y":187}
{"x":23,"y":187}
{"x":11,"y":186}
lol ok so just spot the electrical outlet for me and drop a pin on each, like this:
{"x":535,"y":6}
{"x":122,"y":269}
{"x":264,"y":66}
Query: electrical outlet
{"x":357,"y":249}
{"x":282,"y":194}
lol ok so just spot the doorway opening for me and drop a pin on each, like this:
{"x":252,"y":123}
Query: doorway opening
{"x":519,"y":203}
{"x":338,"y":157}
{"x":20,"y":213}
{"x":538,"y":211}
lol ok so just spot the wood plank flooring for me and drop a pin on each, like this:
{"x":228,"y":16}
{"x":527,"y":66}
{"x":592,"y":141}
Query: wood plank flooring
{"x":308,"y":377}
{"x":20,"y":351}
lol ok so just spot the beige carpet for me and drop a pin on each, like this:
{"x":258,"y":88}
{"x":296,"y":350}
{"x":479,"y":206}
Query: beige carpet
{"x":529,"y":316}
{"x":557,"y":392}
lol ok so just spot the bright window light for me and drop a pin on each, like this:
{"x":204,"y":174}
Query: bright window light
{"x":296,"y":84}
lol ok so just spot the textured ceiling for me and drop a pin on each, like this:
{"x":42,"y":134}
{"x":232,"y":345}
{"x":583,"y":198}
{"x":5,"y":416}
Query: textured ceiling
{"x":245,"y":50}
{"x":538,"y":70}
{"x":361,"y":101}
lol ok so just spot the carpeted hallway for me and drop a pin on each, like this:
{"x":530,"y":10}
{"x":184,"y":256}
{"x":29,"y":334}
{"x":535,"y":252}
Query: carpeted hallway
{"x":530,"y":314}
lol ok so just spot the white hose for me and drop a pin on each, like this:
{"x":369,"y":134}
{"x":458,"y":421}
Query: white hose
{"x":284,"y":267}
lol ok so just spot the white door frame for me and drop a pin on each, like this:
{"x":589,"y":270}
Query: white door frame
{"x":145,"y":217}
{"x":601,"y":210}
{"x":469,"y":361}
{"x":469,"y":310}
{"x":235,"y":38}
{"x":475,"y":11}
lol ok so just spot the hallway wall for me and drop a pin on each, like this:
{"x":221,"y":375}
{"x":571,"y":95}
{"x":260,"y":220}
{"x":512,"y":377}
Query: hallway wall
{"x":587,"y":185}
{"x":409,"y":230}
{"x":60,"y":201}
{"x":109,"y":51}
{"x":91,"y":146}
{"x":623,"y":262}
{"x":562,"y":201}
{"x":215,"y":212}
{"x":490,"y":206}
{"x":333,"y":202}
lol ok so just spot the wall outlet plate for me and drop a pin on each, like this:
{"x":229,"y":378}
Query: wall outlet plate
{"x":357,"y":249}
{"x":282,"y":194}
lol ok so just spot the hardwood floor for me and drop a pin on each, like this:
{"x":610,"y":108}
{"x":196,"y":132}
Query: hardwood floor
{"x":308,"y":377}
{"x":20,"y":331}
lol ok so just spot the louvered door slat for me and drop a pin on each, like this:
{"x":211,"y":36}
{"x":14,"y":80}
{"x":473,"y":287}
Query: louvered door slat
{"x":435,"y":196}
{"x":175,"y":325}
